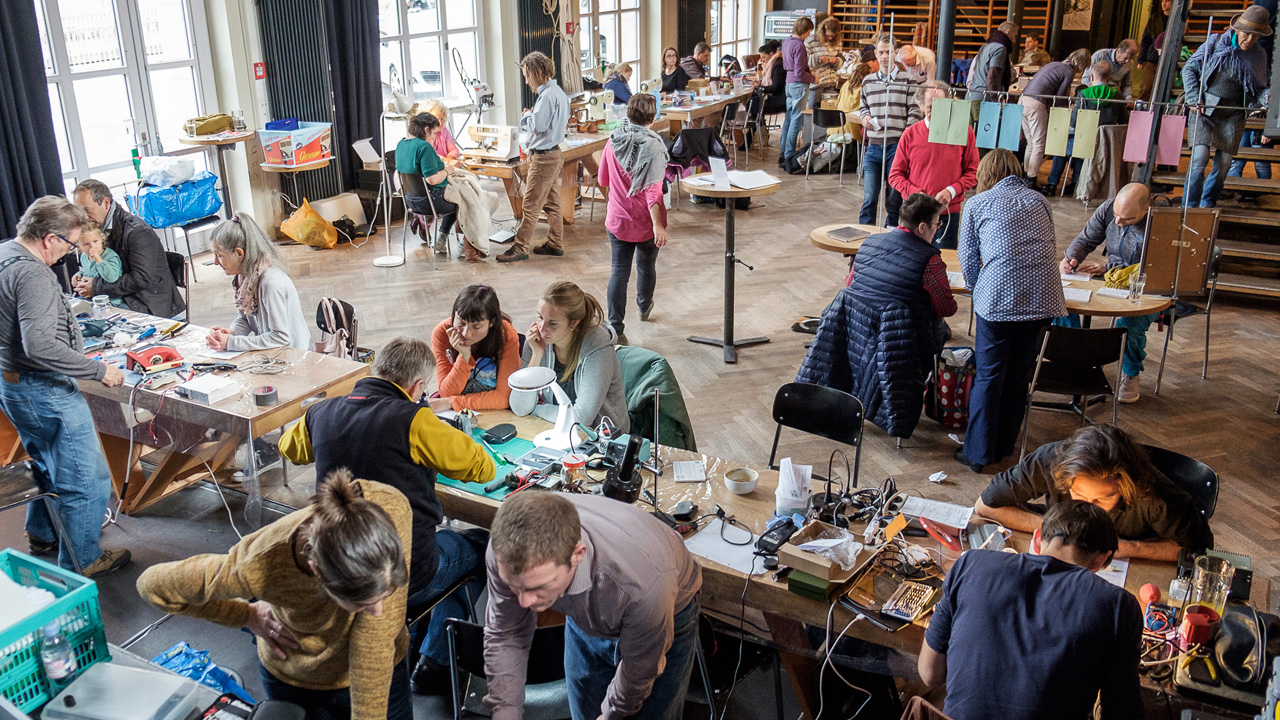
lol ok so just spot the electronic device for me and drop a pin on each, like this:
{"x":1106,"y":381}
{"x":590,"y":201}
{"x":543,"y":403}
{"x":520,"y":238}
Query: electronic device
{"x":499,"y":434}
{"x":209,"y":389}
{"x":617,"y":448}
{"x":776,"y":536}
{"x":684,"y":511}
{"x":651,"y":87}
{"x":1160,"y":618}
{"x":910,"y":600}
{"x":228,"y":707}
{"x":152,"y":359}
{"x":778,"y":24}
{"x":597,"y":102}
{"x":940,"y":535}
{"x":495,"y":143}
{"x":624,"y":482}
{"x":874,"y":583}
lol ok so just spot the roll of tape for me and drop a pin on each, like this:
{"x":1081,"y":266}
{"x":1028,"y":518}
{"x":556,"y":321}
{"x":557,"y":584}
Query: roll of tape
{"x":265,"y":395}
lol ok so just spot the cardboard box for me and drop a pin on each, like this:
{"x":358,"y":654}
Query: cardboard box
{"x":811,"y":563}
{"x":312,"y":141}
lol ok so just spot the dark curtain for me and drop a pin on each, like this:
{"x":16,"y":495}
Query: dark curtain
{"x":29,"y":165}
{"x":537,"y":32}
{"x":693,"y":26}
{"x":352,"y":29}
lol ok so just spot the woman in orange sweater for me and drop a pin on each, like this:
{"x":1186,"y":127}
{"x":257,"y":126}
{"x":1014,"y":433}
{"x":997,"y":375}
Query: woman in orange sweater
{"x":476,"y":350}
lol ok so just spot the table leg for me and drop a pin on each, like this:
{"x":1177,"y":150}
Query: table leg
{"x":513,"y":196}
{"x":568,"y":190}
{"x":222,"y":175}
{"x":729,"y":344}
{"x":10,"y":442}
{"x":789,"y":633}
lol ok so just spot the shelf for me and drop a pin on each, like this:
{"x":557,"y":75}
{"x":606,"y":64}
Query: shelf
{"x":1251,"y":250}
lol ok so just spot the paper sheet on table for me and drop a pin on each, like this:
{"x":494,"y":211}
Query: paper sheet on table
{"x":1076,"y":294}
{"x":1065,"y":283}
{"x":1113,"y":292}
{"x":955,"y":279}
{"x":752,"y":179}
{"x":1116,"y":572}
{"x":720,"y":172}
{"x":988,"y":129}
{"x":220,"y":354}
{"x":688,"y":471}
{"x":1010,"y":127}
{"x":1055,"y":143}
{"x":1086,"y":141}
{"x":949,"y":514}
{"x":700,"y":180}
{"x":1083,"y":277}
{"x":708,"y":544}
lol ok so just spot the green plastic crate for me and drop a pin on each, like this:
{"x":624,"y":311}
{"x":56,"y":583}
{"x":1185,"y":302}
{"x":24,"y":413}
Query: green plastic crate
{"x":22,"y":678}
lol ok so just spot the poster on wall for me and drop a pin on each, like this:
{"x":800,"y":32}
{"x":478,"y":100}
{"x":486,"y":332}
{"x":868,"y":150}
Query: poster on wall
{"x":1078,"y":16}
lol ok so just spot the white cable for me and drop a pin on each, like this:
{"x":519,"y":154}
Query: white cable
{"x":742,"y":642}
{"x":214,"y":479}
{"x":827,"y":662}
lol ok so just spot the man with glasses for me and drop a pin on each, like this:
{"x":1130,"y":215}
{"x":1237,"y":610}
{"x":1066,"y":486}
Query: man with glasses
{"x":42,"y":355}
{"x":1120,"y":224}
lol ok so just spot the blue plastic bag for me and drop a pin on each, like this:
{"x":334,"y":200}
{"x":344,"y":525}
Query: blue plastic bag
{"x":163,"y":207}
{"x":195,"y":664}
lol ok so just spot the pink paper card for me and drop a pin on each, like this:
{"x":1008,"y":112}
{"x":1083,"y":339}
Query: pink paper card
{"x":1169,"y":147}
{"x":1138,"y":138}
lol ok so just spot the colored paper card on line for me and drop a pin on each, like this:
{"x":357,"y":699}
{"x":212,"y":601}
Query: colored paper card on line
{"x":988,"y":130}
{"x":1055,"y":143}
{"x":958,"y":127}
{"x":1169,"y":147}
{"x":1010,"y":127}
{"x":940,"y":120}
{"x":1086,"y":141}
{"x":1138,"y":137}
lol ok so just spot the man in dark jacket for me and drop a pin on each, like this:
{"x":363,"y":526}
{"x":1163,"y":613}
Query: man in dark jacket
{"x":146,"y":285}
{"x":992,"y":69}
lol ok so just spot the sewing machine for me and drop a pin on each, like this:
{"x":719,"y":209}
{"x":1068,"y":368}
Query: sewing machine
{"x":596,"y":104}
{"x":651,"y":87}
{"x":498,"y":143}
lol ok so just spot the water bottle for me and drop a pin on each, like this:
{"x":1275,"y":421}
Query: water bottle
{"x":58,"y":657}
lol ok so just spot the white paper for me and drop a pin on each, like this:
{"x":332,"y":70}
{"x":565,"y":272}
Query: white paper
{"x":1113,"y":292}
{"x":686,"y":471}
{"x":794,"y":480}
{"x":1066,"y":283}
{"x":700,"y":180}
{"x":1116,"y":572}
{"x":955,"y":279}
{"x":220,"y":354}
{"x":1079,"y":295}
{"x":938,"y":477}
{"x":951,"y":515}
{"x":720,"y":172}
{"x":364,"y":149}
{"x":707,"y":544}
{"x":751,"y":180}
{"x":1077,"y":276}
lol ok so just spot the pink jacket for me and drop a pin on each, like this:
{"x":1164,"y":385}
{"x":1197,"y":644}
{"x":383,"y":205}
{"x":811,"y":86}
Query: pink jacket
{"x":627,"y":218}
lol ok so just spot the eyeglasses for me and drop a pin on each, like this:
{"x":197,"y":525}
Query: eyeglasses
{"x":63,"y":239}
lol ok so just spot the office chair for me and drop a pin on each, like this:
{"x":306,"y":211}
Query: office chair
{"x":1071,"y":362}
{"x":822,"y":411}
{"x":1199,"y":480}
{"x":545,"y":687}
{"x":18,"y":487}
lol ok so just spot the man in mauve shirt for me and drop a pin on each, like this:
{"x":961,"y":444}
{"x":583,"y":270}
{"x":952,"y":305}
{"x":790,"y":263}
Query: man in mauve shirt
{"x":627,"y":586}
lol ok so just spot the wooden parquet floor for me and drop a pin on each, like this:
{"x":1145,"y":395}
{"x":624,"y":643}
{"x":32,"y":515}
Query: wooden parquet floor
{"x":1226,"y":421}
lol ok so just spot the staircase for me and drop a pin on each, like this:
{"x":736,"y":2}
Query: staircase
{"x":975,"y":19}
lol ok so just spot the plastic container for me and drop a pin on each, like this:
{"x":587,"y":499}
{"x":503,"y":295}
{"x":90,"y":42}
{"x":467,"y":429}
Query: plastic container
{"x":57,"y":657}
{"x":76,"y":610}
{"x":310,"y":142}
{"x":116,"y":692}
{"x":575,"y":469}
{"x":101,"y":306}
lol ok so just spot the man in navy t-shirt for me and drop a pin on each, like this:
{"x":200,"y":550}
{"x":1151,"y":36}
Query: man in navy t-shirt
{"x":1039,"y":635}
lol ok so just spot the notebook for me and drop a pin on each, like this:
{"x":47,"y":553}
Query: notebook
{"x":847,"y":233}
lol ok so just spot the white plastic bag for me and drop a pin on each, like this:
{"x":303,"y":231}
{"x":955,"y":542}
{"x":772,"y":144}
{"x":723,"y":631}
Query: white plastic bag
{"x":167,"y":171}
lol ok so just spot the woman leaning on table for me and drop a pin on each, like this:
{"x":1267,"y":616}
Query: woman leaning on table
{"x":268,"y":313}
{"x":323,"y":590}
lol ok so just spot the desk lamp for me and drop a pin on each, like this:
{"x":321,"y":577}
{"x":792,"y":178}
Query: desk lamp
{"x":536,"y":379}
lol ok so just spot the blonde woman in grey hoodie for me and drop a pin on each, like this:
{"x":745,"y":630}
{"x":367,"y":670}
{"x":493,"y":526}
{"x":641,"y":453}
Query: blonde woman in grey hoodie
{"x":570,"y":336}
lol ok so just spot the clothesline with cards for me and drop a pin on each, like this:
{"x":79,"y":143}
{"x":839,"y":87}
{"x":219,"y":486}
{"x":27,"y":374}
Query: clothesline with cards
{"x":1006,"y":97}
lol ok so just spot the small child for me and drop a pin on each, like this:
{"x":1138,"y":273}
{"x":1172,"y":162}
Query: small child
{"x":97,"y":260}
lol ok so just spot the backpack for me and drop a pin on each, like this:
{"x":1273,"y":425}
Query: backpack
{"x":338,"y":325}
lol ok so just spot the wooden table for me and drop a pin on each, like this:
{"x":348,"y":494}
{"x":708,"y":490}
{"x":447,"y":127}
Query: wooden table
{"x":294,"y":170}
{"x":584,"y":152}
{"x":1101,"y":306}
{"x":125,"y":428}
{"x":821,"y":239}
{"x":696,"y":115}
{"x":220,"y":142}
{"x":728,"y":343}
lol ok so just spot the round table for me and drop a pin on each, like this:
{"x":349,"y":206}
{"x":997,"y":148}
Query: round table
{"x":294,"y":170}
{"x":821,"y":239}
{"x":728,"y":343}
{"x":1102,"y":306}
{"x":220,"y":142}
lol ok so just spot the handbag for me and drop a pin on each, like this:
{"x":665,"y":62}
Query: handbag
{"x":947,"y":391}
{"x":208,"y":124}
{"x":1248,"y":641}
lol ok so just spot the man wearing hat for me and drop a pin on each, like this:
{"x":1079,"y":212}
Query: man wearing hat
{"x":1228,"y":71}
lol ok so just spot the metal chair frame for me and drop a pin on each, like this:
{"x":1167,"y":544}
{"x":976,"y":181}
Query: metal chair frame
{"x":820,"y":113}
{"x":1084,"y":405}
{"x":399,"y":190}
{"x":50,"y":500}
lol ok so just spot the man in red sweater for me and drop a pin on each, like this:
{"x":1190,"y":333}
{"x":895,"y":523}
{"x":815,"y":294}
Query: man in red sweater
{"x":945,"y":172}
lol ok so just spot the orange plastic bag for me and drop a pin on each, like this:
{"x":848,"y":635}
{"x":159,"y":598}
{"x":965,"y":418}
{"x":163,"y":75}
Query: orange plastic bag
{"x":307,"y":227}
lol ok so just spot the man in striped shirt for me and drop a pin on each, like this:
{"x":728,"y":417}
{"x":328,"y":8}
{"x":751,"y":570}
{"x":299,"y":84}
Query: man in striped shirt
{"x":887,"y":109}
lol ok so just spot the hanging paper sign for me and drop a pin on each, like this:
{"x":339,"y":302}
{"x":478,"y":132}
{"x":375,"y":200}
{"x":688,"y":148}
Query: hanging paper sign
{"x":1138,"y":138}
{"x":958,"y":127}
{"x":1169,"y":146}
{"x":1086,"y":141}
{"x":988,"y":129}
{"x":940,"y":120}
{"x":1010,"y":127}
{"x":1055,"y":143}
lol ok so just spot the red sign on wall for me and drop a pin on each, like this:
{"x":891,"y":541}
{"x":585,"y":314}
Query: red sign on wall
{"x":568,"y":28}
{"x":259,"y":71}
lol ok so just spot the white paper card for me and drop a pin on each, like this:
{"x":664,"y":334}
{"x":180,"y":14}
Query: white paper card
{"x":687,"y":471}
{"x":955,"y":279}
{"x":1116,"y":572}
{"x":794,"y":480}
{"x":1076,"y":276}
{"x":1080,"y":295}
{"x":364,"y":148}
{"x":220,"y":354}
{"x":951,"y":515}
{"x":720,"y":172}
{"x":1113,"y":292}
{"x":751,"y":180}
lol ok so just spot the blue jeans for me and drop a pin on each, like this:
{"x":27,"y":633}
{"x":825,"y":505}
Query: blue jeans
{"x":878,"y":159}
{"x":591,"y":662}
{"x":645,"y":255}
{"x":336,"y":704}
{"x":57,"y":431}
{"x":458,"y":557}
{"x":1251,"y":139}
{"x":1005,"y":352}
{"x":1060,"y":165}
{"x":793,"y":121}
{"x":1135,"y":348}
{"x":1201,"y":192}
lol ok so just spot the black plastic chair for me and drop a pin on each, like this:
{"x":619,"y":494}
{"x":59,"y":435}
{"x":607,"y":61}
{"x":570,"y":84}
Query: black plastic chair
{"x":545,"y":666}
{"x":178,"y":269}
{"x":414,"y":191}
{"x":18,"y":487}
{"x":824,"y":119}
{"x":1171,"y":316}
{"x":822,"y":411}
{"x":1071,"y":362}
{"x":1199,"y":480}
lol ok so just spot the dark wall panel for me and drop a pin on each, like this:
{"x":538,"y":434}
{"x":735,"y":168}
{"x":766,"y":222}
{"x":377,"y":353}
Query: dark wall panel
{"x":537,"y":32}
{"x":693,"y":25}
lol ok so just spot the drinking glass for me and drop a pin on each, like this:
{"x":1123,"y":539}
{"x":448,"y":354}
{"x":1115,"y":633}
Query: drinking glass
{"x":1210,"y":583}
{"x":1137,"y":283}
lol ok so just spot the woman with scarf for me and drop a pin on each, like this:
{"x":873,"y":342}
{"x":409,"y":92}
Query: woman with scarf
{"x":619,"y":82}
{"x":268,"y":313}
{"x":631,"y":168}
{"x":1227,"y":72}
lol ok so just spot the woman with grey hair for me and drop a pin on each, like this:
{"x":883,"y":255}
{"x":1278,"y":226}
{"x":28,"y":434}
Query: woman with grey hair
{"x":268,"y":313}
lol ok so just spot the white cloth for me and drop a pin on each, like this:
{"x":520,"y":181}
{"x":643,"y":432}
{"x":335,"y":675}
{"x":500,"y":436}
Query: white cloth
{"x":476,"y":207}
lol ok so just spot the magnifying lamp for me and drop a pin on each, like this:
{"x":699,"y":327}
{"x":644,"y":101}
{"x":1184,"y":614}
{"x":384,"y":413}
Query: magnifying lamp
{"x":536,"y":379}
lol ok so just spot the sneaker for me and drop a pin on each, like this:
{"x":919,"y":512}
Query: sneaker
{"x":1129,"y":388}
{"x":430,"y":678}
{"x":546,"y":249}
{"x":645,"y":313}
{"x":959,"y":456}
{"x":512,"y":256}
{"x":40,"y":547}
{"x":108,"y":562}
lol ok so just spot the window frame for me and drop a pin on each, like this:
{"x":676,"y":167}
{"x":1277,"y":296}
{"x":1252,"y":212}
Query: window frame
{"x":736,"y":45}
{"x":589,"y":43}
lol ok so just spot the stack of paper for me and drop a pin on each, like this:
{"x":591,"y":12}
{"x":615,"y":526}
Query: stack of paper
{"x":1113,"y":292}
{"x":1079,"y":295}
{"x":751,"y":180}
{"x":1083,"y":277}
{"x":955,"y":279}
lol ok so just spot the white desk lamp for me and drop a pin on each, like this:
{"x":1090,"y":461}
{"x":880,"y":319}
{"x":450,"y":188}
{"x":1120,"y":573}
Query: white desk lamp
{"x":536,"y":379}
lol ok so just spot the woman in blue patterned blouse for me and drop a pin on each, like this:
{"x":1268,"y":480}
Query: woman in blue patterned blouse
{"x":1009,"y":254}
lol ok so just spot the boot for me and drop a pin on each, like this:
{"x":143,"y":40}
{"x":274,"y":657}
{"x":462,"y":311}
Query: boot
{"x":470,"y":253}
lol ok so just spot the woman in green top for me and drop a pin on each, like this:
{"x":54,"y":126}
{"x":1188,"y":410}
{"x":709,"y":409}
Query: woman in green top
{"x":416,"y":156}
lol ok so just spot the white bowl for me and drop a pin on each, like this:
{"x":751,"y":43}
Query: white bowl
{"x":741,"y":481}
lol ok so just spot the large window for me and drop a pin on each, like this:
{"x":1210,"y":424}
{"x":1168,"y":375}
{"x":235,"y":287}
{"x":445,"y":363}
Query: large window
{"x":731,"y":29}
{"x":428,"y":47}
{"x":123,"y":77}
{"x":609,"y":33}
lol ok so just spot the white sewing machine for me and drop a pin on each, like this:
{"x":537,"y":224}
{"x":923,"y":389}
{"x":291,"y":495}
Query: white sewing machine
{"x":596,"y":104}
{"x":651,"y":87}
{"x":499,"y":143}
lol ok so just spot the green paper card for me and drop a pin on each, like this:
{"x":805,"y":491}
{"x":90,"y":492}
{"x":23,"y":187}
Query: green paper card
{"x":939,"y":120}
{"x":1086,"y":134}
{"x":1059,"y":128}
{"x":958,"y":127}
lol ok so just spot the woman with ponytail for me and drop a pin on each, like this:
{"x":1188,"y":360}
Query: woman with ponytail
{"x":323,"y":590}
{"x":619,"y":81}
{"x":570,"y":336}
{"x":268,"y":313}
